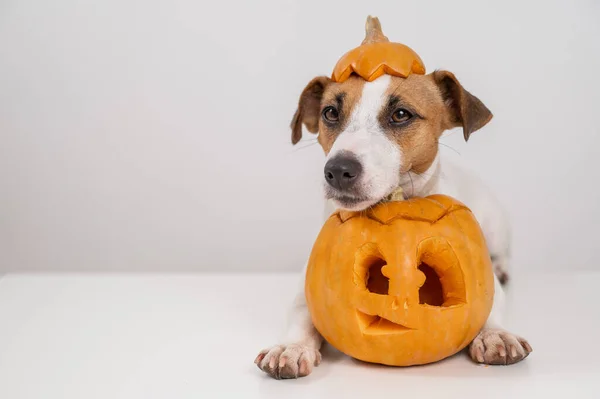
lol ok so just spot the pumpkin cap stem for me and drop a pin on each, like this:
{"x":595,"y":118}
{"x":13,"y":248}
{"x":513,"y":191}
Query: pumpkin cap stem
{"x":373,"y":32}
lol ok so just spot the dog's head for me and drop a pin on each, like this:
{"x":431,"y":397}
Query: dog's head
{"x":377,"y":135}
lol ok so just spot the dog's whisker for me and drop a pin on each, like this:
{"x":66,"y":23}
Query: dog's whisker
{"x":421,"y":176}
{"x":426,"y":176}
{"x":449,"y":133}
{"x":303,"y":147}
{"x":304,"y":140}
{"x":300,"y":143}
{"x":452,"y":148}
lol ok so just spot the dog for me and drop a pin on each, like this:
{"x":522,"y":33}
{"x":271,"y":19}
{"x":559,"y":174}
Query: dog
{"x":383,"y":135}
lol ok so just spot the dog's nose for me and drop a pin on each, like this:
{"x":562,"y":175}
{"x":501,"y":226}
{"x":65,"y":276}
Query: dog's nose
{"x":342,"y":172}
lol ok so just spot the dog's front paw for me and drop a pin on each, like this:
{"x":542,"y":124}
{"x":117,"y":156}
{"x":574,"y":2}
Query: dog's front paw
{"x":494,"y":346}
{"x":288,"y":361}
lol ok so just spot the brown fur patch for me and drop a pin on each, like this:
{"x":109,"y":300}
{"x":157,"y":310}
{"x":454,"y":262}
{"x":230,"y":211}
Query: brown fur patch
{"x":438,"y":102}
{"x":418,"y":140}
{"x":322,"y":92}
{"x":308,"y":112}
{"x":350,"y":92}
{"x":465,"y":109}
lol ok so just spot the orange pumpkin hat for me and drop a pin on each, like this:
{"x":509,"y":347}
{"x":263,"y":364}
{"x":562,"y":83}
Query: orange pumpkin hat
{"x":377,"y":56}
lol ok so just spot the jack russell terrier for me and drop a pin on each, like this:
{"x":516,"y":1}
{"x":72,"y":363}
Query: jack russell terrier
{"x":380,"y":136}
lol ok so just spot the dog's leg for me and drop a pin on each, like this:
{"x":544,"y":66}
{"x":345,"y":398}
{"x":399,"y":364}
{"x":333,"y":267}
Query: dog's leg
{"x":299,"y":352}
{"x":495,"y":345}
{"x":497,"y":232}
{"x":500,"y":264}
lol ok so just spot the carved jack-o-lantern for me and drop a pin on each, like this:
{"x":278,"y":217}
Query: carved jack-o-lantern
{"x":403,"y":283}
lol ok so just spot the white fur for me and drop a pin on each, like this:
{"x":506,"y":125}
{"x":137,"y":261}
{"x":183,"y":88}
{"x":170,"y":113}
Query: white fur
{"x":381,"y":158}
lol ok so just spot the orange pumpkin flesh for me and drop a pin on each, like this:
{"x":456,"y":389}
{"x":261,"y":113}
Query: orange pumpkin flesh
{"x":401,"y":284}
{"x":377,"y":56}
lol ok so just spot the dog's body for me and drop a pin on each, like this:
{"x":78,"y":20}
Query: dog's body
{"x":379,"y":136}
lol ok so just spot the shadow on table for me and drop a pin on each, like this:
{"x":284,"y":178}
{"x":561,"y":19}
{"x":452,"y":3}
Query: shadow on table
{"x":458,"y":365}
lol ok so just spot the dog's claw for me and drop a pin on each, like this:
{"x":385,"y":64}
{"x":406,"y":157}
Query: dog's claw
{"x":501,"y":350}
{"x":479,"y":355}
{"x":526,"y":345}
{"x":303,"y":368}
{"x":260,"y":357}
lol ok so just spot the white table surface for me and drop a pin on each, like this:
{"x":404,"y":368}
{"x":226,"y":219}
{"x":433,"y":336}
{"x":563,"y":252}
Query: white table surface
{"x":196,"y":336}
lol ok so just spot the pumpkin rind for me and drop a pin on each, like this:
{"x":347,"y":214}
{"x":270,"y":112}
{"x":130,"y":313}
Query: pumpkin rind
{"x":345,"y":292}
{"x":377,"y":56}
{"x":370,"y":61}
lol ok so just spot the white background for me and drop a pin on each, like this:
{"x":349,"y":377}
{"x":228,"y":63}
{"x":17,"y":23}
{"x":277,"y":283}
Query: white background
{"x":153,"y":135}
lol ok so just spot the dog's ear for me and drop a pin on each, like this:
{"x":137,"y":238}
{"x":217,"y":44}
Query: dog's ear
{"x":309,"y":108}
{"x":465,"y":109}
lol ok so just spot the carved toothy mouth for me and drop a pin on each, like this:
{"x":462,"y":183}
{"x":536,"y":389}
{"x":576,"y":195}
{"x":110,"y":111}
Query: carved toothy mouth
{"x":377,"y":325}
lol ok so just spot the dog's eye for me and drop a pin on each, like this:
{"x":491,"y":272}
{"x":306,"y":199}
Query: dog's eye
{"x":330,"y":114}
{"x":400,"y":116}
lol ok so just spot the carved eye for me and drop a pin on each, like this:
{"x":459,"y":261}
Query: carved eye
{"x":330,"y":114}
{"x":400,"y":116}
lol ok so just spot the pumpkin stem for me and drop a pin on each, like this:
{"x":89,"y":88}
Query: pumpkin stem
{"x":397,"y":195}
{"x":373,"y":32}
